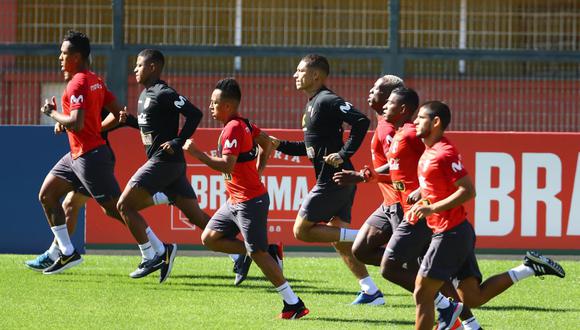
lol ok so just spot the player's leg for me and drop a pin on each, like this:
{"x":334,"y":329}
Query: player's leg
{"x":368,"y":246}
{"x":57,"y":184}
{"x":425,"y":289}
{"x":186,"y":200}
{"x":71,"y":205}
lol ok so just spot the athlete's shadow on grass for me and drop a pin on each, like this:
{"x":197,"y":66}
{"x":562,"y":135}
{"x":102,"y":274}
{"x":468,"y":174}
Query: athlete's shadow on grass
{"x":528,"y":309}
{"x":361,"y":322}
{"x":231,"y":278}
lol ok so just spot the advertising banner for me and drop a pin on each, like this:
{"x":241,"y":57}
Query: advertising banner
{"x":528,"y":190}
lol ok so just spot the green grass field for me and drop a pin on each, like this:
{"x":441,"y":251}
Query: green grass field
{"x":200,"y":295}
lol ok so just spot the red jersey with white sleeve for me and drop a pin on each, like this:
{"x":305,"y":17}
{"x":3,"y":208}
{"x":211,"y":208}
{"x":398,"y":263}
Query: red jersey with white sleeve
{"x":439,"y":168}
{"x":244,"y":183}
{"x":379,"y":147}
{"x":86,"y":91}
{"x":403,"y":157}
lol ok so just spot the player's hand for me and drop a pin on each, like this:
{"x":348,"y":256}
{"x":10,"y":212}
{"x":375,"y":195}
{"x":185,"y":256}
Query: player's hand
{"x":190,"y":147}
{"x":275,"y":142}
{"x":49,"y":107}
{"x":123,"y":114}
{"x":166,"y":147}
{"x":418,"y":211}
{"x":346,"y":177}
{"x":58,"y":128}
{"x":333,"y":159}
{"x":414,"y":196}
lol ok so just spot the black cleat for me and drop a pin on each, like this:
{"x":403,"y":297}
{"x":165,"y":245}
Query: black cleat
{"x":276,"y":251}
{"x":293,"y":312}
{"x":448,"y":316}
{"x":241,"y":268}
{"x":543,"y":265}
{"x":64,"y":262}
{"x":147,"y":267}
{"x":168,"y":257}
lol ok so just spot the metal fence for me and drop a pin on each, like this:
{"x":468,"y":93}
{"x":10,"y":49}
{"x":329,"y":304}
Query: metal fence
{"x":500,"y":64}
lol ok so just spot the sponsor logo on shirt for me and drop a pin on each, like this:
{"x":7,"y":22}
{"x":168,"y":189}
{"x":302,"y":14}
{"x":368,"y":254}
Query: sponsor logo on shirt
{"x":95,"y":87}
{"x":394,"y":164}
{"x":457,"y":166}
{"x":230,"y":144}
{"x":76,"y":100}
{"x":180,"y":103}
{"x":345,"y":107}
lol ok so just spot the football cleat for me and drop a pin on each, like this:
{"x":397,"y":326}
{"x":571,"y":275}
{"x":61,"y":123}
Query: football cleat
{"x":543,"y":265}
{"x":364,"y":298}
{"x":448,"y":316}
{"x":168,"y":257}
{"x":40,"y":263}
{"x":277,"y":252}
{"x":293,"y":312}
{"x":64,"y":262}
{"x":241,"y":268}
{"x":147,"y":267}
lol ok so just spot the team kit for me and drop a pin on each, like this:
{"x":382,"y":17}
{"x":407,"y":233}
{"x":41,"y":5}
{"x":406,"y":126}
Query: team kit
{"x":419,"y":235}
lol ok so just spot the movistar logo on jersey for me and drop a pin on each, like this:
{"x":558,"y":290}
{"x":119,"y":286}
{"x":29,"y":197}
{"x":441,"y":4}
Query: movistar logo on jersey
{"x":76,"y":100}
{"x":180,"y":103}
{"x":231,"y":144}
{"x":456,"y":166}
{"x":345,"y":107}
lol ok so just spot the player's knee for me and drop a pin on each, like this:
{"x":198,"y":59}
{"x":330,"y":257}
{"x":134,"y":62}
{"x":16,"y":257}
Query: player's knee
{"x":207,"y":239}
{"x":123,"y":206}
{"x":390,"y":269}
{"x":299,"y":233}
{"x":420,"y":294}
{"x":44,"y":197}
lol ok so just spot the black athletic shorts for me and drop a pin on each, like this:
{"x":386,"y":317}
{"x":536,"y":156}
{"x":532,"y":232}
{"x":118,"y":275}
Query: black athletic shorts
{"x":409,"y":242}
{"x":386,"y":218}
{"x":325,"y":202}
{"x":249,"y":217}
{"x":451,"y":255}
{"x":168,"y":177}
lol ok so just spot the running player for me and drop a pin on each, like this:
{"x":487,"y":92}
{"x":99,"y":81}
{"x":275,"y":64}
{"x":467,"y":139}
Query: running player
{"x":159,"y":108}
{"x":246,"y":209}
{"x":445,"y":187}
{"x":89,"y":165}
{"x":325,"y":214}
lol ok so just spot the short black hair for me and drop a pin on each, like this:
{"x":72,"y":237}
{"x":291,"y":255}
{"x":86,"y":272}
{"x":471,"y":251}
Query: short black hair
{"x":79,"y":43}
{"x":153,"y":55}
{"x":438,"y":109}
{"x":230,"y":89}
{"x":409,"y":97}
{"x":318,"y":62}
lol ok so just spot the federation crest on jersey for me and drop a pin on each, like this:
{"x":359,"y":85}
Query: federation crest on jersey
{"x":147,"y":102}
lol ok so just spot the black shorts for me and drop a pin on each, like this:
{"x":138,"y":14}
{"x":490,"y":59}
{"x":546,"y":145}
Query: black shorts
{"x":168,"y":177}
{"x":91,"y":174}
{"x":451,"y":255}
{"x":386,"y":218}
{"x":249,"y":217}
{"x":325,"y":202}
{"x":409,"y":242}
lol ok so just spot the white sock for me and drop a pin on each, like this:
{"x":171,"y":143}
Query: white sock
{"x":155,"y":242}
{"x":471,"y":324}
{"x":287,"y":294}
{"x":520,"y":272}
{"x":234,"y":257}
{"x":61,"y":234}
{"x":160,"y":198}
{"x":441,"y":302}
{"x":53,"y":251}
{"x":147,"y":251}
{"x":347,"y":235}
{"x":368,"y":286}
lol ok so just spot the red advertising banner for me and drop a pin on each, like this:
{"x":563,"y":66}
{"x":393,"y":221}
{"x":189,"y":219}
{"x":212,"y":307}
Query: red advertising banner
{"x":528,"y":190}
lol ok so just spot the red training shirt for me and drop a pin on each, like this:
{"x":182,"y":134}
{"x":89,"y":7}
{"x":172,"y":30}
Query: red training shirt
{"x":379,"y":147}
{"x":86,"y":91}
{"x":244,"y":183}
{"x":439,"y":168}
{"x":403,"y":157}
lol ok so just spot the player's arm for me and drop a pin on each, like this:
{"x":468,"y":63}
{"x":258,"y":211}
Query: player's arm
{"x":224,"y":164}
{"x":192,"y":118}
{"x":465,"y":191}
{"x":74,"y":121}
{"x":292,"y":148}
{"x":359,"y":125}
{"x":266,"y":147}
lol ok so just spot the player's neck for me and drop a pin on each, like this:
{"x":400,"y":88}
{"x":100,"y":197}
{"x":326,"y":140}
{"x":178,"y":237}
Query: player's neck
{"x":433,"y":138}
{"x":402,"y":122}
{"x":314,"y":90}
{"x":151,"y":81}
